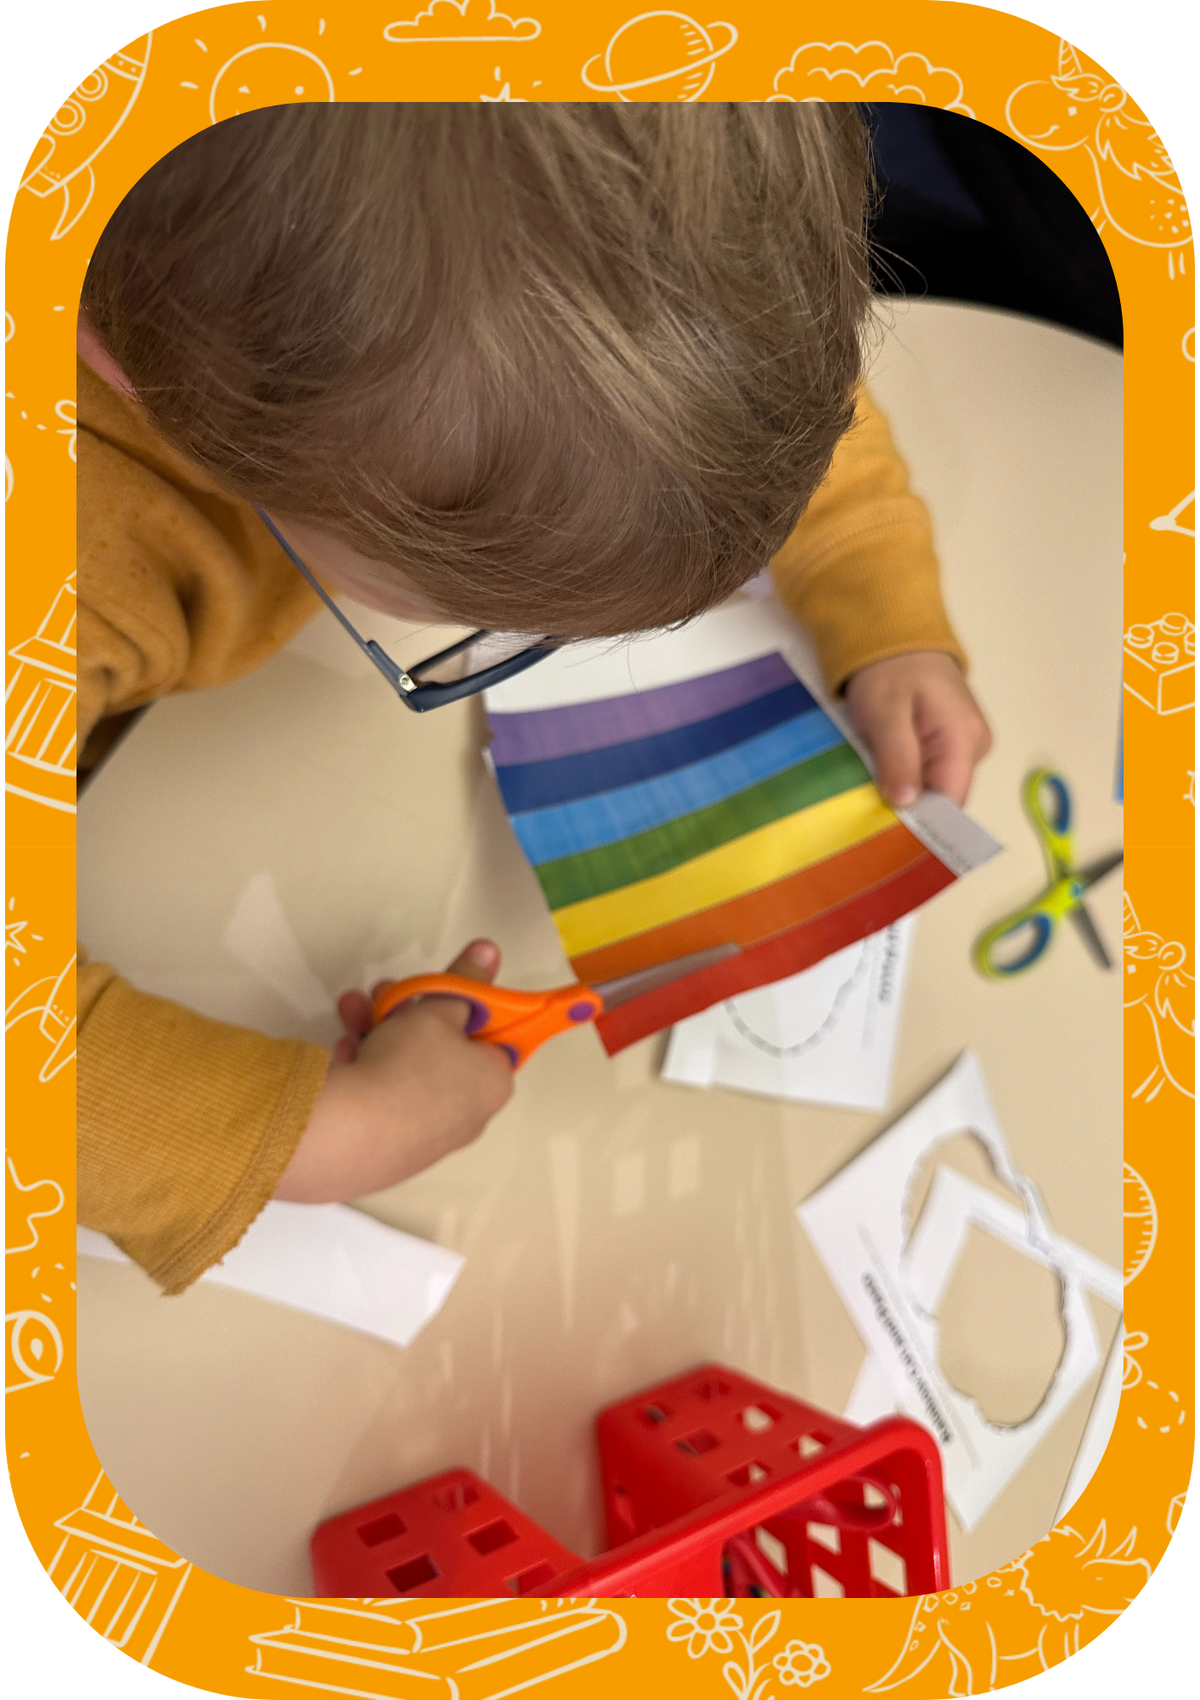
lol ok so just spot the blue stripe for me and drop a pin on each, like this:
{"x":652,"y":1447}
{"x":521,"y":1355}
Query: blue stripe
{"x":566,"y":779}
{"x":548,"y":834}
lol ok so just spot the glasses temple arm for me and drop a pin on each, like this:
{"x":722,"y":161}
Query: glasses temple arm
{"x":395,"y":675}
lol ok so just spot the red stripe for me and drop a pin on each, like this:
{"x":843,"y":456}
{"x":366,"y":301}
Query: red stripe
{"x":775,"y":959}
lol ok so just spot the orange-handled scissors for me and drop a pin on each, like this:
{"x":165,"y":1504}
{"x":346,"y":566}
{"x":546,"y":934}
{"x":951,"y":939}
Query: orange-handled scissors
{"x":518,"y":1022}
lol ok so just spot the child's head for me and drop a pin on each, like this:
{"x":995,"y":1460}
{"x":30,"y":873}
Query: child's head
{"x":569,"y":369}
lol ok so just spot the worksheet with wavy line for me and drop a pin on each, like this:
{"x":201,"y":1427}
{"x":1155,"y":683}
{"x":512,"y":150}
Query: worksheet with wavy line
{"x":826,"y":1036}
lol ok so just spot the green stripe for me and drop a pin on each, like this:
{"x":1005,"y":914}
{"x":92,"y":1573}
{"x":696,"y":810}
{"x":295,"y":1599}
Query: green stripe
{"x":571,"y":879}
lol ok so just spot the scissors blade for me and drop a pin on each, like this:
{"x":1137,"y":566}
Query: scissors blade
{"x":1091,"y":938}
{"x":1096,"y":870}
{"x":629,"y":986}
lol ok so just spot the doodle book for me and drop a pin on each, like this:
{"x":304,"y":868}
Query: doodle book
{"x":695,"y":790}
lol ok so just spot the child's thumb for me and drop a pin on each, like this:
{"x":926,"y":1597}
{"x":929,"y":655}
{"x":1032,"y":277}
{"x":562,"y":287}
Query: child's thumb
{"x":479,"y":961}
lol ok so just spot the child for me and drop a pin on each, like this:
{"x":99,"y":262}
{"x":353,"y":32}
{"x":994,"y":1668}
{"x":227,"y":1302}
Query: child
{"x":566,"y":370}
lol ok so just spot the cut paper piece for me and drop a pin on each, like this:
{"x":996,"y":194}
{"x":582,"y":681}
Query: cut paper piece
{"x":334,"y":1262}
{"x":872,"y":1397}
{"x":697,"y":789}
{"x":827,"y":1036}
{"x":891,"y":1286}
{"x":260,"y":935}
{"x":1099,"y":1428}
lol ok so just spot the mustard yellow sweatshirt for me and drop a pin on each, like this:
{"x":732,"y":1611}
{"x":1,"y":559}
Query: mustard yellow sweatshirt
{"x":187,"y":1124}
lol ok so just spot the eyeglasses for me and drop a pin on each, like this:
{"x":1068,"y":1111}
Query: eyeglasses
{"x":414,"y":691}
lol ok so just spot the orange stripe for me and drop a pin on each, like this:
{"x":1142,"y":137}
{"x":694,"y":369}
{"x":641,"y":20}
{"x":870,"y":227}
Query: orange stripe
{"x":777,"y":958}
{"x":759,"y":914}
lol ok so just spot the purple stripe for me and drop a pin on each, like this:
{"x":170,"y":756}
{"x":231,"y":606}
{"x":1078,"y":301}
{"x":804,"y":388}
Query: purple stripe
{"x":545,"y":734}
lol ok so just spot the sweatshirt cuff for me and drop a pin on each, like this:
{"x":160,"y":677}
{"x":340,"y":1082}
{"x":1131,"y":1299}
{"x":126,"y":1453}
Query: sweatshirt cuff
{"x":873,"y":596}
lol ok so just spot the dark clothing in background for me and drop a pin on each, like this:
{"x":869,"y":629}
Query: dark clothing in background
{"x":969,"y":214}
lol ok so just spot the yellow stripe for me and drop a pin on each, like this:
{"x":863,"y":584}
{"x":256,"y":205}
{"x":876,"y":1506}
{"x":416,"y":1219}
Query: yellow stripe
{"x":757,"y":858}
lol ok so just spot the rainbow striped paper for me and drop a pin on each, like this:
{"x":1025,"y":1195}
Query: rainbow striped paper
{"x":721,"y":808}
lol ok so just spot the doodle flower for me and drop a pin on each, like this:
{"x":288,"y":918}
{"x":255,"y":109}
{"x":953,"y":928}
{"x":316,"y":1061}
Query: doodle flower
{"x":801,"y":1663}
{"x":704,"y":1625}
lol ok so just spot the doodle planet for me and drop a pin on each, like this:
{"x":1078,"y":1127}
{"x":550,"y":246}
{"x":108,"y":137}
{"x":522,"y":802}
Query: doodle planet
{"x":666,"y":52}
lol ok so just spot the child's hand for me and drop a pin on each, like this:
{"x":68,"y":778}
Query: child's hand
{"x":400,"y":1096}
{"x":922,"y":724}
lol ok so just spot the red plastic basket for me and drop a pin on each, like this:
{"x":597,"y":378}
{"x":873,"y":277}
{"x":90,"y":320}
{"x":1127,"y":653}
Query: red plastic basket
{"x":714,"y":1485}
{"x":450,"y":1535}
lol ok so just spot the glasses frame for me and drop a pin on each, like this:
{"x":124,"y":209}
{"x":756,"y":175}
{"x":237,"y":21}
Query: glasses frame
{"x":417,"y":695}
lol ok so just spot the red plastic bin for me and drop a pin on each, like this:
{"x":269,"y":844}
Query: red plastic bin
{"x":451,"y":1535}
{"x":864,"y":1506}
{"x":714,"y":1485}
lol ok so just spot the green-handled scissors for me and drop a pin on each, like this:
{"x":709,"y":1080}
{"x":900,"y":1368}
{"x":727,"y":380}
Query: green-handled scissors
{"x":1023,"y":937}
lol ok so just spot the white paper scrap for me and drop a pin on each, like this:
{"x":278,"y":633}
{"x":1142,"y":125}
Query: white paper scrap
{"x":333,"y":1261}
{"x":954,"y":1204}
{"x":890,"y":1282}
{"x":1099,"y":1426}
{"x":826,"y":1036}
{"x":871,"y":1396}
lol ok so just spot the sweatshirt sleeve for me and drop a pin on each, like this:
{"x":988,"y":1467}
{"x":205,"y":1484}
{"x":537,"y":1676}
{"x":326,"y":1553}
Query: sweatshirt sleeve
{"x":859,"y":571}
{"x":185,"y":1125}
{"x":180,"y":586}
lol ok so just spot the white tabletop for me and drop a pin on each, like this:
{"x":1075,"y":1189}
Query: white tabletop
{"x":616,"y":1229}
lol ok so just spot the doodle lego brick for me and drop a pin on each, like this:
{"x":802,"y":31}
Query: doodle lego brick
{"x":1160,"y":663}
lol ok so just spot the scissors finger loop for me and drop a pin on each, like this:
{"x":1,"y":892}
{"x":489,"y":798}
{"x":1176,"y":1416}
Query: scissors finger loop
{"x":1056,"y":818}
{"x":994,"y":950}
{"x":400,"y":992}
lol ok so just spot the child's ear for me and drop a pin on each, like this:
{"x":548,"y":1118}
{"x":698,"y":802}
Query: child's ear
{"x":94,"y":354}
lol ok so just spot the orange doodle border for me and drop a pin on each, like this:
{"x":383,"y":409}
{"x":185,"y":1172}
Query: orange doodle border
{"x":1032,"y":1613}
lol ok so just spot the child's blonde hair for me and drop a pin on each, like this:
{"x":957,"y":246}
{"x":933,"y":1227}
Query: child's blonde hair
{"x":572,"y":369}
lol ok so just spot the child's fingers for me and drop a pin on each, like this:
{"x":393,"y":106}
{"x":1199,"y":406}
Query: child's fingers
{"x":949,"y":770}
{"x":954,"y":738}
{"x":894,"y":744}
{"x":951,"y":757}
{"x":355,"y":1011}
{"x":922,"y":724}
{"x":346,"y":1049}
